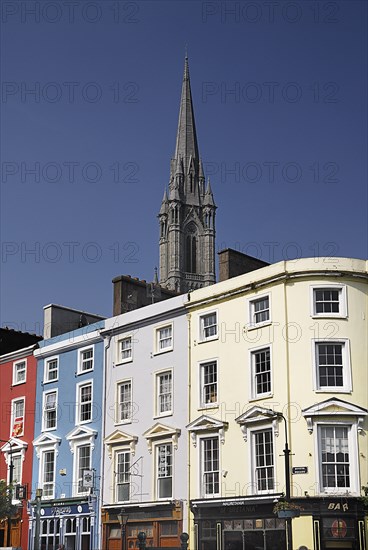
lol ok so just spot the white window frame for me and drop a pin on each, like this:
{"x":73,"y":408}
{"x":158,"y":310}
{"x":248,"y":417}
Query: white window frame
{"x":158,"y":375}
{"x":346,"y":366}
{"x":251,"y":311}
{"x":19,"y":456}
{"x":202,"y":471}
{"x":79,"y":403}
{"x":353,"y":457}
{"x":76,"y":478}
{"x":16,"y":364}
{"x":118,"y":419}
{"x":46,"y":379}
{"x":41,"y":472}
{"x":13,"y":417}
{"x":120,"y":359}
{"x":44,"y":397}
{"x":343,"y":310}
{"x":253,"y":385}
{"x":81,"y":361}
{"x":252,"y":449}
{"x":157,"y":477}
{"x":202,"y":401}
{"x":202,"y":328}
{"x":115,"y":473}
{"x":158,"y":340}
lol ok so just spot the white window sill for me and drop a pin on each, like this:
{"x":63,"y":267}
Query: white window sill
{"x":212,"y":339}
{"x":329,"y":389}
{"x":160,"y":352}
{"x":124,"y":362}
{"x":261,"y":396}
{"x":122,"y":422}
{"x":257,"y":325}
{"x":163,"y":415}
{"x":84,"y":372}
{"x":209,"y":406}
{"x":329,"y":316}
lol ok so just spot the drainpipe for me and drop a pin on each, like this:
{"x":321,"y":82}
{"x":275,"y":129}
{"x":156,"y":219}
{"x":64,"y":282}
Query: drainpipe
{"x":99,"y":519}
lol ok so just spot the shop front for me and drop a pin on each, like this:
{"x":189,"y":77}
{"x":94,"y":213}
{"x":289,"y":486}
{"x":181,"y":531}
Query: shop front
{"x":162,"y":524}
{"x":68,"y":525}
{"x":238,"y":524}
{"x":338,"y":523}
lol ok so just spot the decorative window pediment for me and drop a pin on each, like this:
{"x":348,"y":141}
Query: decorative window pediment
{"x":207,"y":424}
{"x":14,"y":445}
{"x":257,"y":415}
{"x":81,"y":434}
{"x":46,"y":440}
{"x":121,"y":439}
{"x":161,"y":431}
{"x":334,"y":408}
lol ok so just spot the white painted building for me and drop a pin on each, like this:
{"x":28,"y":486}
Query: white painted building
{"x":146,"y":408}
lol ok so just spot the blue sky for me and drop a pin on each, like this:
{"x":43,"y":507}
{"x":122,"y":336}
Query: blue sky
{"x":280,"y":99}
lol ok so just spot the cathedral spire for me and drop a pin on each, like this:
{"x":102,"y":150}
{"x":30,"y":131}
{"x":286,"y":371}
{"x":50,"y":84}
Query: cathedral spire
{"x":187,"y":214}
{"x":186,"y":138}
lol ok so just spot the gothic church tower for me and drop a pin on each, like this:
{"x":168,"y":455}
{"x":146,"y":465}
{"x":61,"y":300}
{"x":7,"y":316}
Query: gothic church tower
{"x":187,"y":214}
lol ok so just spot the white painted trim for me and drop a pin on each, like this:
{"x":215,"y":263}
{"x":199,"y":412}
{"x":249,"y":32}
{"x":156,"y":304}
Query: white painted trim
{"x":201,"y":339}
{"x":47,"y":392}
{"x":117,"y":345}
{"x":200,"y":485}
{"x":156,"y":444}
{"x":79,"y":360}
{"x":261,"y":427}
{"x":78,"y":421}
{"x":354,"y":489}
{"x":86,"y":339}
{"x":41,"y":468}
{"x":46,"y":362}
{"x":343,"y":313}
{"x":12,"y":417}
{"x":15,"y":363}
{"x":252,"y":386}
{"x":250,"y":307}
{"x":346,"y":373}
{"x":156,"y":332}
{"x":118,"y":383}
{"x":201,"y":404}
{"x":156,"y":377}
{"x":77,"y":446}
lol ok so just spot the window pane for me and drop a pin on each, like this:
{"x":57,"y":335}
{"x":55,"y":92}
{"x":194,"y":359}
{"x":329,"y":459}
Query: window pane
{"x":164,"y":392}
{"x":210,"y":462}
{"x":330,"y":364}
{"x":262,"y":371}
{"x":335,"y":456}
{"x":264,"y":465}
{"x":261,"y":311}
{"x":209,"y":375}
{"x":164,"y":470}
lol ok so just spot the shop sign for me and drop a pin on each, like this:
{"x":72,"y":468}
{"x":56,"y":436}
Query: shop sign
{"x":341,"y":506}
{"x":60,"y":510}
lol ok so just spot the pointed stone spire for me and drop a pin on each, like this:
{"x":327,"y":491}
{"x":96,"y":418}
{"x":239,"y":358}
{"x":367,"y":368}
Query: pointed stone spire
{"x":186,"y":138}
{"x":208,"y":197}
{"x":164,"y":204}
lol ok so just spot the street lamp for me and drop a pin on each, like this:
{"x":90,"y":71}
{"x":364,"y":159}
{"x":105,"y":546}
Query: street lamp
{"x":123,"y":520}
{"x":38,"y":519}
{"x":286,"y":451}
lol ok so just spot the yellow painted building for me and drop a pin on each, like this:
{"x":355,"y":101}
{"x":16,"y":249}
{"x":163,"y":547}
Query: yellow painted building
{"x":279,"y":355}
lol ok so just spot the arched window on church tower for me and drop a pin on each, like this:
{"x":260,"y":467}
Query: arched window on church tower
{"x":191,"y":249}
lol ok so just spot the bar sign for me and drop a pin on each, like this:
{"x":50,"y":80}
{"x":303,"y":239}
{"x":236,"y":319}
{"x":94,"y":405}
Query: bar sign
{"x":300,"y":470}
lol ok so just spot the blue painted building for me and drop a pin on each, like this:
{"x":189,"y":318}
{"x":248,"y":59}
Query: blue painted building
{"x":67,"y":442}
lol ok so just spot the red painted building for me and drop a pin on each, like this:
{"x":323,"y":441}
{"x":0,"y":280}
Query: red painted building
{"x":18,"y":408}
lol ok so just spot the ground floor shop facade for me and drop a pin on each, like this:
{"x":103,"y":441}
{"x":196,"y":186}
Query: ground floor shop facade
{"x":66,"y":525}
{"x":250,"y":524}
{"x":162,"y":524}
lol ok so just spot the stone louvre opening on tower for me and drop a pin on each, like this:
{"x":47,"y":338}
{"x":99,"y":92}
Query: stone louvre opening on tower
{"x":187,"y":214}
